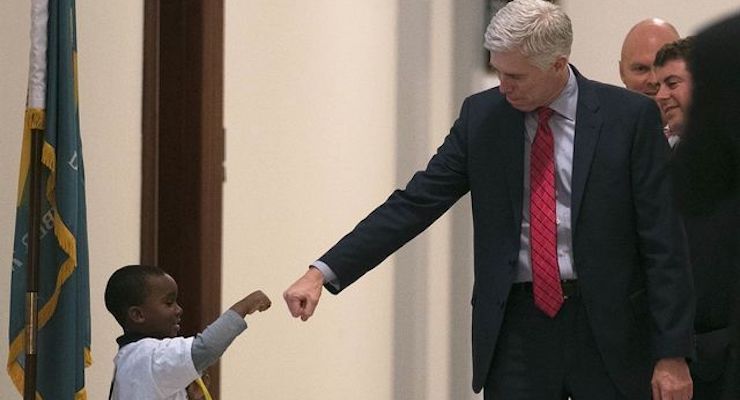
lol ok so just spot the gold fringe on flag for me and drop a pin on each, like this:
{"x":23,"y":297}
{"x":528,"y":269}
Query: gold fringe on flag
{"x":35,"y":119}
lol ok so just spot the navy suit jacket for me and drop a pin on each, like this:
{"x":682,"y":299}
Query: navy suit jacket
{"x":628,"y":247}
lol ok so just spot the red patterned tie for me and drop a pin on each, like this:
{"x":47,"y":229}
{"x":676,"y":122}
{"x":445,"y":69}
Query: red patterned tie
{"x":548,"y":294}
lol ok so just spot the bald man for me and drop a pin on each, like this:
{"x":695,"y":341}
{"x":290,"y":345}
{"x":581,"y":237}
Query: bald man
{"x":638,"y":54}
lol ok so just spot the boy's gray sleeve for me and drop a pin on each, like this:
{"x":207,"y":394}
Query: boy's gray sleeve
{"x":212,"y":342}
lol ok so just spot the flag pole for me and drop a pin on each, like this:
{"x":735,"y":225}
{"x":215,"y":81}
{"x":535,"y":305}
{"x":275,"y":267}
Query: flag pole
{"x":36,"y":101}
{"x":32,"y":277}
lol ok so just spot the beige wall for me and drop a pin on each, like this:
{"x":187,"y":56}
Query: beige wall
{"x":323,"y":120}
{"x":109,"y":45}
{"x":330,"y":105}
{"x":13,"y":87}
{"x":298,"y":144}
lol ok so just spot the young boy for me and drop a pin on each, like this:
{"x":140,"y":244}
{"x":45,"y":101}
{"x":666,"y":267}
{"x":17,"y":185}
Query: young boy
{"x":152,"y":361}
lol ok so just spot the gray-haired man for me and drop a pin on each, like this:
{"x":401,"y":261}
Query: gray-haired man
{"x":582,"y":288}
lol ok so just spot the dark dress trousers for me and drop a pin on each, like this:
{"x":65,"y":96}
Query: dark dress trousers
{"x":628,"y":245}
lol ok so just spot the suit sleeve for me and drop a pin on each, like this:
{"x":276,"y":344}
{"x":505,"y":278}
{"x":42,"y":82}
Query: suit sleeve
{"x":407,"y":212}
{"x":662,"y":241}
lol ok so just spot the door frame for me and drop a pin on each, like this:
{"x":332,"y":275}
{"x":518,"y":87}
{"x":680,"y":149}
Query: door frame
{"x":183,"y":154}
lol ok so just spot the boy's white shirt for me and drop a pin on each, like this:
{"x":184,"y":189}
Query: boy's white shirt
{"x":154,"y":369}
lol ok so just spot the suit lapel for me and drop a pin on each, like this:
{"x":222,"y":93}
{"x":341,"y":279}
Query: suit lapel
{"x":588,"y":129}
{"x":512,"y":127}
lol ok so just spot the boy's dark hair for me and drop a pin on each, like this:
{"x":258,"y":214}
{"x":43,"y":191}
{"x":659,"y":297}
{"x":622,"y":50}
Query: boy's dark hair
{"x":678,"y":50}
{"x":127,"y":287}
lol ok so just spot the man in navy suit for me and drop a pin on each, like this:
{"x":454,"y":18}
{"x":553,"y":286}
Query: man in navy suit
{"x":582,"y":286}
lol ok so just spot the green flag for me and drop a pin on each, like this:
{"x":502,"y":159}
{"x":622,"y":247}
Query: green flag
{"x":63,"y":344}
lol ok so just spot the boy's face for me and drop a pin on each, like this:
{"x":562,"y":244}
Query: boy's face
{"x":159,"y":315}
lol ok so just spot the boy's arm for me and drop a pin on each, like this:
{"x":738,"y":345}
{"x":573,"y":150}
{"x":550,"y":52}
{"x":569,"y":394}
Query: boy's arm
{"x":210,"y":344}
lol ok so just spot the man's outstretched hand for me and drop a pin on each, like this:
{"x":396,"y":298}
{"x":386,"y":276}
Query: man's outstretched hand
{"x":303,"y":295}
